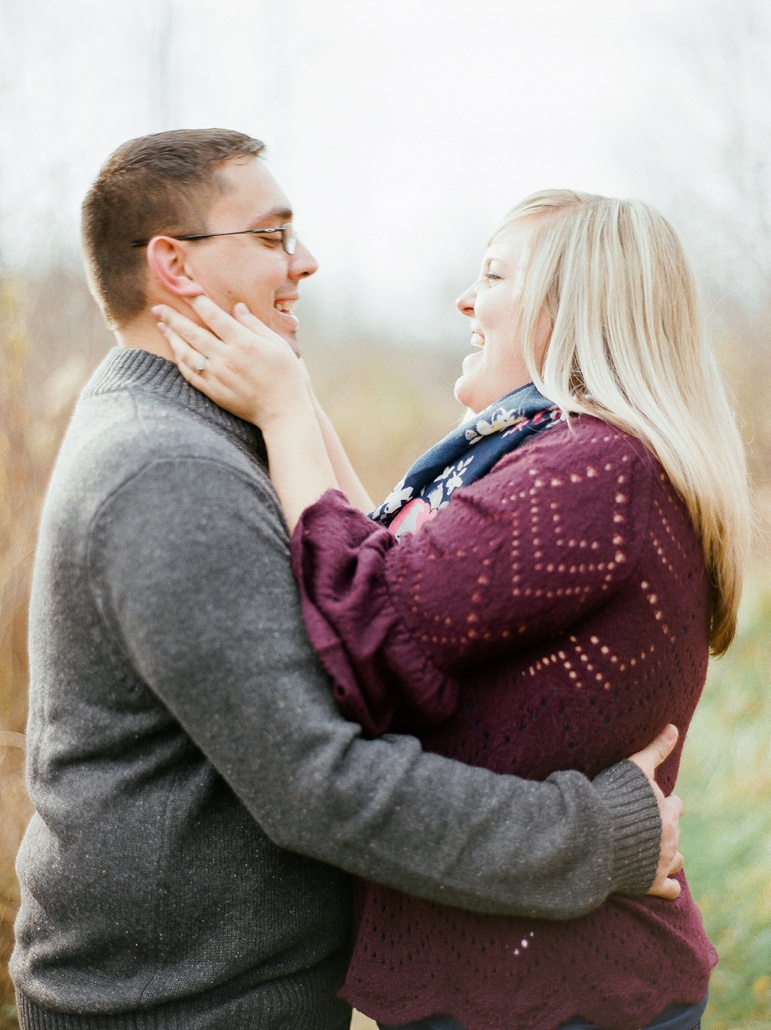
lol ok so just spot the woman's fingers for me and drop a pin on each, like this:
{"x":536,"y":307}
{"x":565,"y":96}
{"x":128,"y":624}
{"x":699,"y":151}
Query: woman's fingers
{"x":243,"y":315}
{"x":219,"y":327}
{"x":240,"y":328}
{"x":209,"y":375}
{"x":185,"y":330}
{"x":247,"y":369}
{"x":220,"y":322}
{"x":191,"y":362}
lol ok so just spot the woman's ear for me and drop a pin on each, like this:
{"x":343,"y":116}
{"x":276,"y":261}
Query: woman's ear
{"x":166,"y":261}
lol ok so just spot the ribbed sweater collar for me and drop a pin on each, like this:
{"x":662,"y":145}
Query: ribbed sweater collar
{"x":126,"y":368}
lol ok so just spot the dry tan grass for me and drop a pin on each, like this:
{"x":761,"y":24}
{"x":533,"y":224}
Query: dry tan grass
{"x":389,"y":403}
{"x":51,"y":337}
{"x":38,"y":385}
{"x":360,"y":1022}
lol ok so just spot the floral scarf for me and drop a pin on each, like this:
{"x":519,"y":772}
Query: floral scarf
{"x":463,"y":456}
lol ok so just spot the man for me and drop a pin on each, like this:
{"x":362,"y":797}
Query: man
{"x":181,"y":734}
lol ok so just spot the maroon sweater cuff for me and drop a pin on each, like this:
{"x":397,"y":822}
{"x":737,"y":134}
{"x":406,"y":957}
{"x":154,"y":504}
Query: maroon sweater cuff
{"x":338,"y":559}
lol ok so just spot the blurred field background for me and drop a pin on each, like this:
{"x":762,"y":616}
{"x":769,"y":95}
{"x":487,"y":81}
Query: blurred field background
{"x":389,"y":402}
{"x":693,"y":135}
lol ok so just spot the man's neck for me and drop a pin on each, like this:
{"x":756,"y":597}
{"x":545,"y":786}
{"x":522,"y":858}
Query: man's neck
{"x":143,"y":334}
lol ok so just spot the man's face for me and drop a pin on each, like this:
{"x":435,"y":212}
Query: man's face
{"x":253,"y":269}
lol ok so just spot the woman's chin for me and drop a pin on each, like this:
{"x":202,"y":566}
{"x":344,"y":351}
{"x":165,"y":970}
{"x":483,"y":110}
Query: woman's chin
{"x":466,"y":395}
{"x":463,"y":391}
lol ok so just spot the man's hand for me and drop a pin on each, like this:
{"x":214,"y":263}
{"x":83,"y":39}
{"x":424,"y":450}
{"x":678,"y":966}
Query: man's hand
{"x":670,"y":810}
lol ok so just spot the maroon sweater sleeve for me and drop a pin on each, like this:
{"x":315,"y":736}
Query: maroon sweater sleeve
{"x":550,"y":534}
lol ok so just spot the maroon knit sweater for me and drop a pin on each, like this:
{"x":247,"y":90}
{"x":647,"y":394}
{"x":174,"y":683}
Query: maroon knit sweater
{"x":553,"y":616}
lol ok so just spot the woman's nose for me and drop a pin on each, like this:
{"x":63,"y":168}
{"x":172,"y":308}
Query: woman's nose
{"x":465,"y":303}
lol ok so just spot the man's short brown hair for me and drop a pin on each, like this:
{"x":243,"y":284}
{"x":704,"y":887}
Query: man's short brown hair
{"x":161,"y":184}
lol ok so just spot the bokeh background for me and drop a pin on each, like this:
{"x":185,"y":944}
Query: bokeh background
{"x":403,"y":131}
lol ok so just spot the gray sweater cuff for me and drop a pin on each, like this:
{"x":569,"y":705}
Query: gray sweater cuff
{"x":635,"y":826}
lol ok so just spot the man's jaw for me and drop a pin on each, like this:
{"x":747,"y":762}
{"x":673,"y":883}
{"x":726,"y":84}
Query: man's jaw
{"x":285,"y":320}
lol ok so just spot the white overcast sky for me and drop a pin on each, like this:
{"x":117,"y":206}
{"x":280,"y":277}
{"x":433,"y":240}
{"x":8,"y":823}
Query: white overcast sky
{"x":402,"y":130}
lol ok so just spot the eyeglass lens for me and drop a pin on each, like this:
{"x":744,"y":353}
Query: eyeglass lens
{"x":288,"y":238}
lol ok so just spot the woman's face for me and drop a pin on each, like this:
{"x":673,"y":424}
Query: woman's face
{"x":493,"y":303}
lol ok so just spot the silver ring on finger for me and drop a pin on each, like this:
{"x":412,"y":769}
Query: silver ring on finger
{"x":199,"y":364}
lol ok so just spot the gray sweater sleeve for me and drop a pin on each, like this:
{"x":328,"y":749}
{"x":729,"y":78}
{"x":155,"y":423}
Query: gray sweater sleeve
{"x":189,"y":564}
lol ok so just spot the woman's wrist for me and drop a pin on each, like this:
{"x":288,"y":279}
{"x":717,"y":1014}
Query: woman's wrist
{"x":286,"y":423}
{"x":288,"y":405}
{"x":300,"y":468}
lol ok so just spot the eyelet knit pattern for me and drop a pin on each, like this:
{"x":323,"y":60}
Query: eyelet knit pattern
{"x":553,"y":616}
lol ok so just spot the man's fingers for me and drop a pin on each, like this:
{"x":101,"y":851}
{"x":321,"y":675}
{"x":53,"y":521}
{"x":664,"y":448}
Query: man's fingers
{"x":671,"y":810}
{"x":664,"y":743}
{"x":668,"y":889}
{"x":665,"y":886}
{"x":654,"y":754}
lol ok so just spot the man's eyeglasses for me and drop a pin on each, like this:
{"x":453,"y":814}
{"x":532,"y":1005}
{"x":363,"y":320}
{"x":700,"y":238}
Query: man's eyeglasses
{"x":287,"y":235}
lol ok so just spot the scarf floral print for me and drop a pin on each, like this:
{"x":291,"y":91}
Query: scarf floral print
{"x":463,"y":456}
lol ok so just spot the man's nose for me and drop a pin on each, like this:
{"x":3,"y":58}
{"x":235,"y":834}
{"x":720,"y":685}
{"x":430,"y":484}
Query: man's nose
{"x":302,"y":263}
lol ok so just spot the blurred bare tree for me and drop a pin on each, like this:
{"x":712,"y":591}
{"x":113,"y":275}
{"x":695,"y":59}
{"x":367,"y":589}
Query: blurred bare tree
{"x":152,"y":44}
{"x":10,"y":11}
{"x":707,"y":155}
{"x":726,"y":48}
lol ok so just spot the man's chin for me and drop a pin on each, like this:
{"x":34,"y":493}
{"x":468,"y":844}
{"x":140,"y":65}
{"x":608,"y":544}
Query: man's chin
{"x":285,"y":324}
{"x":291,"y":339}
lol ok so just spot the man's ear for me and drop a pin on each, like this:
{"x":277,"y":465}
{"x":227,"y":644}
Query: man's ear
{"x":166,"y":260}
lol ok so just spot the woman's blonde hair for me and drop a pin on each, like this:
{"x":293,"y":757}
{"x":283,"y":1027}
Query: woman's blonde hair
{"x":626,"y":346}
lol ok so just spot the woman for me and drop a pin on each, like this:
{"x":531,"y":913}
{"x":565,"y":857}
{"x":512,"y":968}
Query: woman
{"x":552,"y":614}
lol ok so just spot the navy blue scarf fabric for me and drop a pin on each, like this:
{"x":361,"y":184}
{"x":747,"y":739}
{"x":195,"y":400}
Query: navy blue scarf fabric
{"x":465,"y":455}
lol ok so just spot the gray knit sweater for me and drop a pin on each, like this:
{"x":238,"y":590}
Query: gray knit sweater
{"x":182,"y":736}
